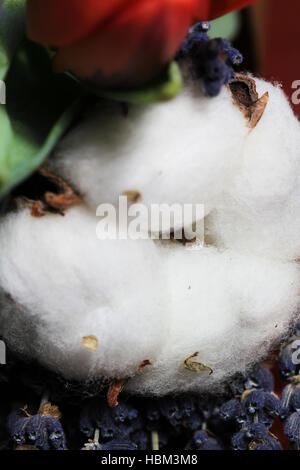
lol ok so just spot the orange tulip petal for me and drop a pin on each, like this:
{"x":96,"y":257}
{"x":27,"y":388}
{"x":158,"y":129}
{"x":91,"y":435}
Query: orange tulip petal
{"x":62,"y":22}
{"x":130,"y":47}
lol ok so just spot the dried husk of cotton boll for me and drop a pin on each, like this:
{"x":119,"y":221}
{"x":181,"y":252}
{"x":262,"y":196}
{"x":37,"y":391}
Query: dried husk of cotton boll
{"x":183,"y":151}
{"x":59,"y":284}
{"x":259,"y":212}
{"x":228,"y":311}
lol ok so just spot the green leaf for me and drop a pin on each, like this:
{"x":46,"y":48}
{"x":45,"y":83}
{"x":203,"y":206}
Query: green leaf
{"x":163,"y":89}
{"x":12,"y":29}
{"x":226,"y":26}
{"x":40,"y":107}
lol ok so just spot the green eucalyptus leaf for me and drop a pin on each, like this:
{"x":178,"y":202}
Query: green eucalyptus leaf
{"x":40,"y":107}
{"x":164,"y":88}
{"x":12,"y":29}
{"x":226,"y":26}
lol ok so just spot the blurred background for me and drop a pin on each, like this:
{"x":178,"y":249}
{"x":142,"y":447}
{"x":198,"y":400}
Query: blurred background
{"x":272,"y":27}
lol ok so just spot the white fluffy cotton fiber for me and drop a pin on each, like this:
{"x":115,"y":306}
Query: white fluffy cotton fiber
{"x":151,"y":300}
{"x":259,"y":212}
{"x":182,"y":151}
{"x":142,"y":302}
{"x":67,"y":284}
{"x":229,"y":308}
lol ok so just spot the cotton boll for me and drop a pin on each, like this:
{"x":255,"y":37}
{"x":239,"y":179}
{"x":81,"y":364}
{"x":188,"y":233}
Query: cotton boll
{"x":157,"y":301}
{"x":182,"y":151}
{"x":60,"y":283}
{"x":229,"y":308}
{"x":142,"y":301}
{"x":259,"y":212}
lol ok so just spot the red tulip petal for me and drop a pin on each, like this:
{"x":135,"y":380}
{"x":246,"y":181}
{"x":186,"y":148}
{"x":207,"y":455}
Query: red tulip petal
{"x":210,"y":9}
{"x":130,"y":47}
{"x":61,"y":22}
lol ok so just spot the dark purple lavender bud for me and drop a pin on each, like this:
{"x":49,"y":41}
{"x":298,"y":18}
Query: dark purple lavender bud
{"x":232,"y":410}
{"x":200,"y":437}
{"x":119,"y":445}
{"x":286,"y":401}
{"x":87,"y":424}
{"x":211,"y":444}
{"x":16,"y":424}
{"x":187,"y":405}
{"x":256,"y":431}
{"x":124,"y":412}
{"x":260,"y":378}
{"x":201,"y":27}
{"x":36,"y":431}
{"x":269,"y":443}
{"x":295,"y":399}
{"x":206,"y":407}
{"x":152,"y":411}
{"x":254,"y":401}
{"x":55,"y":432}
{"x":209,"y":60}
{"x":169,"y":409}
{"x":141,"y":439}
{"x":286,"y":365}
{"x":193,"y":422}
{"x":240,"y":441}
{"x":292,"y":428}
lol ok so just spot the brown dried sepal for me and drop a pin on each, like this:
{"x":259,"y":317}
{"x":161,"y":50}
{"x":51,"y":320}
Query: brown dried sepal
{"x":46,"y":192}
{"x":245,"y":96}
{"x":50,"y":410}
{"x":114,"y":391}
{"x":196,"y":366}
{"x":144,"y":364}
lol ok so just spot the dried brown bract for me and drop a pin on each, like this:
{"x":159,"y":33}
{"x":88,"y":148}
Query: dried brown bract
{"x":117,"y":386}
{"x":196,"y":366}
{"x":50,"y":410}
{"x":46,"y":192}
{"x":114,"y":391}
{"x":245,"y":96}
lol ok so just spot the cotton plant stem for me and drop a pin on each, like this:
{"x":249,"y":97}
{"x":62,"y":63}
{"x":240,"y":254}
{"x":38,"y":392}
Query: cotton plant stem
{"x":155,"y":440}
{"x":96,"y":436}
{"x":44,"y":400}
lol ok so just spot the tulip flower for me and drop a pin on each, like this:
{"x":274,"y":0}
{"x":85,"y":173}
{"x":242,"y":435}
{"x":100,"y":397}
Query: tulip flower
{"x":117,"y":42}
